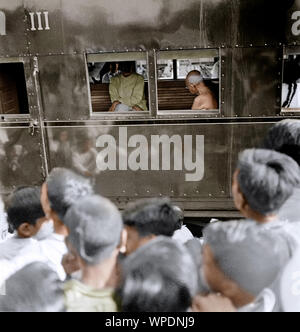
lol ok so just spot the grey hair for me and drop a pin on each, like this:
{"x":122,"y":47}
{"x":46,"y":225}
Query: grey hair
{"x":284,"y":137}
{"x":194,"y":77}
{"x":161,"y":276}
{"x":35,"y":288}
{"x":65,"y":188}
{"x":267,"y":179}
{"x":95,"y":226}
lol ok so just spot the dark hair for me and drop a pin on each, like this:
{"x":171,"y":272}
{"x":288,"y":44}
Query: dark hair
{"x":284,"y":137}
{"x":25,"y":206}
{"x":267,"y":179}
{"x":152,"y":217}
{"x":159,"y":277}
{"x":64,"y":188}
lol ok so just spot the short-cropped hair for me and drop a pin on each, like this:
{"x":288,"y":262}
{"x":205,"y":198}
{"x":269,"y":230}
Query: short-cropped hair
{"x":95,"y":226}
{"x":159,"y":277}
{"x":153,"y":217}
{"x":65,"y":188}
{"x":252,"y":255}
{"x":284,"y":137}
{"x":25,"y":207}
{"x":35,"y":288}
{"x":267,"y":179}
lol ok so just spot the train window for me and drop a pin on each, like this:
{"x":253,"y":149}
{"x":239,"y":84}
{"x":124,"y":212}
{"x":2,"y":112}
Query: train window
{"x":200,"y":92}
{"x":13,"y":92}
{"x":118,"y":82}
{"x":291,"y":81}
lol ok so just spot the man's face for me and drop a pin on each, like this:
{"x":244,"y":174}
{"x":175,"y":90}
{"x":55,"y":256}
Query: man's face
{"x":191,"y":88}
{"x":45,"y":201}
{"x":134,"y":240}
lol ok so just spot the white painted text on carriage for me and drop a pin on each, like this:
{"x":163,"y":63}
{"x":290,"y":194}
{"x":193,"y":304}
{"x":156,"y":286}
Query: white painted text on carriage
{"x":159,"y":153}
{"x":39,"y":21}
{"x":2,"y":23}
{"x":296,"y":25}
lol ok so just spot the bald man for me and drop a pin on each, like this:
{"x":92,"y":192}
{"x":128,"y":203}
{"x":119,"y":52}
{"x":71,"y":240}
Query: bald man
{"x":197,"y":86}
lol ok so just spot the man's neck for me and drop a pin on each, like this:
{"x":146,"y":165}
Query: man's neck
{"x":261,"y":219}
{"x":59,"y":227}
{"x":98,"y":276}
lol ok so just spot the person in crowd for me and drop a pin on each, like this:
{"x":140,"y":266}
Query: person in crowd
{"x":27,"y":218}
{"x":146,"y":219}
{"x":113,"y":72}
{"x":84,"y":157}
{"x":284,"y":137}
{"x":62,"y":150}
{"x":34,"y":288}
{"x":183,"y":235}
{"x":197,"y":85}
{"x":252,"y":252}
{"x":62,"y":188}
{"x":161,"y":276}
{"x":95,"y":240}
{"x":4,"y":228}
{"x":127,"y":90}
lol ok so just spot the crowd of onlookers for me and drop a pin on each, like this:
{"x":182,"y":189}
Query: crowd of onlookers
{"x":70,"y":249}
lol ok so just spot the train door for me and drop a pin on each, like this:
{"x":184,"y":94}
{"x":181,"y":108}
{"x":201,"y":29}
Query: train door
{"x":20,"y":134}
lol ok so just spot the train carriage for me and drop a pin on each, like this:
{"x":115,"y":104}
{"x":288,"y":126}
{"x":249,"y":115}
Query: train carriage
{"x":54,"y":102}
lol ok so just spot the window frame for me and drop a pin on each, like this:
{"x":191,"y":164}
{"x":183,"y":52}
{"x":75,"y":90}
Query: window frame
{"x":118,"y":56}
{"x":27,"y":67}
{"x":183,"y":114}
{"x":287,"y":51}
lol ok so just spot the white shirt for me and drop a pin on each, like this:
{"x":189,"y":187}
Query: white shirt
{"x":16,"y":253}
{"x":291,"y":209}
{"x":54,"y":249}
{"x":183,"y":235}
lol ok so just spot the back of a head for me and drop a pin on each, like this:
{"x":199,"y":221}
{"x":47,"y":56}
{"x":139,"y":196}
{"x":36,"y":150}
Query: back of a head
{"x":284,"y":137}
{"x":24,"y":206}
{"x":65,"y":188}
{"x":95,"y":226}
{"x":250,"y":255}
{"x":153,"y":217}
{"x":159,"y":277}
{"x":35,"y":288}
{"x":267,"y":179}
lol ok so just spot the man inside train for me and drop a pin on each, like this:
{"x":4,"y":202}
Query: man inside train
{"x":127,"y":90}
{"x":205,"y":99}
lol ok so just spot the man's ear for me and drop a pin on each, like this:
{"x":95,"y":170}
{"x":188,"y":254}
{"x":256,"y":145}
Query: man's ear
{"x":26,"y":230}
